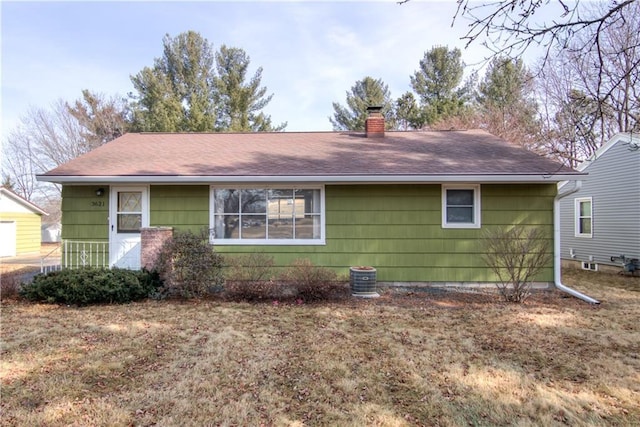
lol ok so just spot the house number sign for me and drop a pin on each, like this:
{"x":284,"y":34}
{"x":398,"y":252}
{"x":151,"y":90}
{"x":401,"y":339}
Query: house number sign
{"x":97,"y":204}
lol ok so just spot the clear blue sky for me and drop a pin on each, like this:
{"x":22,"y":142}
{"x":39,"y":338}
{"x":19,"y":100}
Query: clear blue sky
{"x":311,"y":52}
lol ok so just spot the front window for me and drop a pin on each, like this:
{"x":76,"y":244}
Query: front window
{"x":461,"y":206}
{"x":584,"y":217}
{"x":267,"y":215}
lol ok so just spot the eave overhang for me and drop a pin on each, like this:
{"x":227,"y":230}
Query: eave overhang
{"x":326,"y":179}
{"x":21,"y":201}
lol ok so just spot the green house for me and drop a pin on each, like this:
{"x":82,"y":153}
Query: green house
{"x":413,"y":204}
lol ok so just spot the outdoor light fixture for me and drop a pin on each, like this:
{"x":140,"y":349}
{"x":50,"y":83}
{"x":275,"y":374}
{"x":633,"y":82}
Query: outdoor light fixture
{"x":99,"y":192}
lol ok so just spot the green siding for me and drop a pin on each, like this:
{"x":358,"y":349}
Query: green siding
{"x":180,"y":206}
{"x":85,"y":216}
{"x":396,"y":228}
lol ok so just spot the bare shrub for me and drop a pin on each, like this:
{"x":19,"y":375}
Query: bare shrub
{"x":312,"y":282}
{"x":250,"y":278}
{"x":9,"y":286}
{"x":516,"y":256}
{"x":254,"y":267}
{"x":189,"y":265}
{"x":256,"y":291}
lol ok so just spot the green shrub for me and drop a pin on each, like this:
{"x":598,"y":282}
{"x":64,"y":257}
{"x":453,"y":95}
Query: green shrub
{"x":189,"y":266}
{"x":91,"y":286}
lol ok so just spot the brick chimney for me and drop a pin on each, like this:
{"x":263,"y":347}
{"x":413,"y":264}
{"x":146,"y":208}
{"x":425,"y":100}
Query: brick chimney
{"x":374,"y":125}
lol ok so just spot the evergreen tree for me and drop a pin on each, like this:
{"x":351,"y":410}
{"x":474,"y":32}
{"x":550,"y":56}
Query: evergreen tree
{"x":408,"y":114}
{"x":176,"y":94}
{"x":240,"y":102}
{"x":438,"y":83}
{"x":156,"y":108}
{"x":506,"y":101}
{"x":507,"y":84}
{"x":365,"y":93}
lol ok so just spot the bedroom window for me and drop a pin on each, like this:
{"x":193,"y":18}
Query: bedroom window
{"x":584,"y":217}
{"x":461,"y":206}
{"x":278,"y":215}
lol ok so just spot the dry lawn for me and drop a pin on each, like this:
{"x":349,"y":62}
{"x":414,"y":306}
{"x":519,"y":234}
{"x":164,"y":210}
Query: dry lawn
{"x":400,"y":360}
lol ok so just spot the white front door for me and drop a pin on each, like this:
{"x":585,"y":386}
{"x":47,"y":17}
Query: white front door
{"x":129,"y":212}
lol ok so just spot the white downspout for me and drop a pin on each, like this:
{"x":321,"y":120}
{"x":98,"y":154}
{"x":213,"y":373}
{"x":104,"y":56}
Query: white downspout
{"x":556,"y":248}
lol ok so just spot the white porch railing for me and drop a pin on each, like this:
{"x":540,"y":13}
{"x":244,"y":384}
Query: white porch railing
{"x":76,"y":254}
{"x":79,"y":253}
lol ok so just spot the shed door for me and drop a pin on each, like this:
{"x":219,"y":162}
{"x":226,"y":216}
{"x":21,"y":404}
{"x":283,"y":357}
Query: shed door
{"x":8,"y":238}
{"x":129,"y":212}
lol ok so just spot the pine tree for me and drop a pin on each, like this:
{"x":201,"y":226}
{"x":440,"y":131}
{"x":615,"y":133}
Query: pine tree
{"x":408,"y":114}
{"x":240,"y":102}
{"x":176,"y":94}
{"x":367,"y":92}
{"x":506,"y":101}
{"x":438,"y":83}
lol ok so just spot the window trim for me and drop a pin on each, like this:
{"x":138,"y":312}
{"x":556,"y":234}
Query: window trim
{"x":577,"y":217}
{"x":477,"y":210}
{"x":268,"y":242}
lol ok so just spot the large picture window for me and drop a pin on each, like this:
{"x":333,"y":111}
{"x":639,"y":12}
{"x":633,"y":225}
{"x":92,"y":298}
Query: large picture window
{"x":267,"y":215}
{"x":584,"y":217}
{"x":461,"y":206}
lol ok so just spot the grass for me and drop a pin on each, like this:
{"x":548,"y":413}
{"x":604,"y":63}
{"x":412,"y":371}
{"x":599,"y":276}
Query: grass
{"x":401,"y":360}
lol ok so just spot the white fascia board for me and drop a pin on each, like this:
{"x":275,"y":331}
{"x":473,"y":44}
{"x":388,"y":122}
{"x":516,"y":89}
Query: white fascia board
{"x":23,"y":202}
{"x":329,"y":179}
{"x":623,"y":137}
{"x":615,"y":139}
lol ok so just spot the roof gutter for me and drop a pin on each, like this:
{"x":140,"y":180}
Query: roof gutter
{"x":556,"y":247}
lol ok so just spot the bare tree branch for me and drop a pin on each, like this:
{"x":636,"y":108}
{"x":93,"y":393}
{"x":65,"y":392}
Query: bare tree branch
{"x":509,"y":27}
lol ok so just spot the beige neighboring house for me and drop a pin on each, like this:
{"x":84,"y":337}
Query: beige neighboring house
{"x":20,"y":222}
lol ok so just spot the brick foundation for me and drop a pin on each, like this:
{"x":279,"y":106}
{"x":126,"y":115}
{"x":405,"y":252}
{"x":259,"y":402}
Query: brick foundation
{"x":152,"y":240}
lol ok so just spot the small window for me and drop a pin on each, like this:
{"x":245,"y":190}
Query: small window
{"x":129,"y":213}
{"x":592,"y":266}
{"x":461,"y":206}
{"x":584,"y":217}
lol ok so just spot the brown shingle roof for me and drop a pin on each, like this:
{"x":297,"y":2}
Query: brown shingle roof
{"x":312,"y":154}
